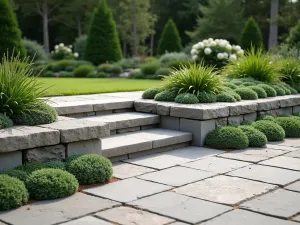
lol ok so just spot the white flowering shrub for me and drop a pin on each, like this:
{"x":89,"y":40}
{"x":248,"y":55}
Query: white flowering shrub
{"x":63,"y":52}
{"x":216,"y":52}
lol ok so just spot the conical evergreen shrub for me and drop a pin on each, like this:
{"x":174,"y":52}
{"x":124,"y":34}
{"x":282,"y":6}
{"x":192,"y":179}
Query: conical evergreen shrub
{"x":103,"y":44}
{"x":170,"y":40}
{"x":251,"y":35}
{"x":10,"y":34}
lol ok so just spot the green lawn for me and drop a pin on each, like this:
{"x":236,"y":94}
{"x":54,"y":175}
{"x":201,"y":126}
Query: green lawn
{"x":77,"y":86}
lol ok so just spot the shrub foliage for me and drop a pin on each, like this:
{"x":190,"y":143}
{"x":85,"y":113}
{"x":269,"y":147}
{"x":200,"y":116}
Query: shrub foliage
{"x":273,"y":131}
{"x":291,"y":126}
{"x":187,"y":98}
{"x":255,"y":137}
{"x":150,"y":93}
{"x":251,"y":35}
{"x":166,"y":96}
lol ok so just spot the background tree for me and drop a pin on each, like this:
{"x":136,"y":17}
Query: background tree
{"x":170,"y":40}
{"x":251,"y":35}
{"x":103,"y":43}
{"x":274,"y":13}
{"x":10,"y":38}
{"x":294,"y":36}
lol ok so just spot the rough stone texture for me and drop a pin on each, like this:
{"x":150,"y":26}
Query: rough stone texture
{"x":112,"y":103}
{"x":148,"y":127}
{"x":123,"y":110}
{"x":126,"y":170}
{"x":88,"y":220}
{"x":173,"y":158}
{"x":127,"y":190}
{"x":65,"y":108}
{"x":93,"y":146}
{"x":79,"y":130}
{"x":224,"y":189}
{"x":281,"y":203}
{"x":101,"y":113}
{"x":281,"y":147}
{"x":10,"y":160}
{"x":221,"y":122}
{"x":216,"y":165}
{"x":267,"y":174}
{"x":177,"y":176}
{"x":238,"y":217}
{"x":181,"y":207}
{"x":274,"y":112}
{"x":199,"y":129}
{"x":294,"y":187}
{"x":289,"y":100}
{"x":243,"y":107}
{"x":164,"y":108}
{"x":267,"y":104}
{"x":143,"y":105}
{"x":295,"y":154}
{"x":250,"y":117}
{"x":130,"y":216}
{"x":54,"y":211}
{"x":169,"y":122}
{"x":80,"y":115}
{"x":127,"y":130}
{"x":287,"y":111}
{"x":296,"y":109}
{"x":253,"y":154}
{"x":25,"y":137}
{"x":45,"y":154}
{"x":64,"y":118}
{"x":235,"y":120}
{"x":284,"y":162}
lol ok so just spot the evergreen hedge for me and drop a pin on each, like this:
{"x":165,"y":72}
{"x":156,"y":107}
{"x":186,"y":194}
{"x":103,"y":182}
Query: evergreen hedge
{"x":251,"y":35}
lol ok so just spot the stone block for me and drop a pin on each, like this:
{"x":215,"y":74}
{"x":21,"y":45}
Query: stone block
{"x":148,"y":127}
{"x":93,"y":146}
{"x":10,"y":160}
{"x":199,"y":129}
{"x":284,"y":162}
{"x":26,"y":137}
{"x":79,"y":130}
{"x":164,"y":108}
{"x":122,"y":110}
{"x":221,"y":122}
{"x":45,"y":154}
{"x":235,"y":120}
{"x":65,"y":108}
{"x":267,"y":104}
{"x":169,"y":122}
{"x":289,"y":100}
{"x":296,"y":109}
{"x":107,"y":112}
{"x":294,"y":187}
{"x":250,"y":117}
{"x":113,"y":103}
{"x":240,"y":108}
{"x":143,"y":105}
{"x":274,"y":112}
{"x":287,"y":111}
{"x":113,"y":132}
{"x":127,"y":130}
{"x":79,"y":115}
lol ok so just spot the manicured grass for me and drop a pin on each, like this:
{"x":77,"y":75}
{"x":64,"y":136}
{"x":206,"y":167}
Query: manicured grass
{"x":77,"y":86}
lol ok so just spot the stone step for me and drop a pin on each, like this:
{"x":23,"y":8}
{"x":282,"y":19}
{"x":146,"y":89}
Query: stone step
{"x":153,"y":139}
{"x":126,"y":122}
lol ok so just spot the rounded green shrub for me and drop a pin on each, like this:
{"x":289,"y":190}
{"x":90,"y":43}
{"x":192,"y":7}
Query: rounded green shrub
{"x":13,"y":193}
{"x":79,"y":45}
{"x":270,"y":118}
{"x":70,"y":68}
{"x":279,"y":90}
{"x":48,"y":73}
{"x":246,"y":93}
{"x":273,"y":131}
{"x":34,"y":166}
{"x":92,"y":75}
{"x":91,"y":169}
{"x":5,"y":121}
{"x":166,"y":96}
{"x":237,"y":82}
{"x":105,"y":67}
{"x":150,"y":93}
{"x":34,"y":50}
{"x":206,"y":97}
{"x":83,"y":70}
{"x":187,"y":98}
{"x":293,"y":90}
{"x":19,"y":174}
{"x":231,"y":85}
{"x":172,"y":56}
{"x":102,"y":75}
{"x":51,"y":184}
{"x":286,"y":90}
{"x":66,"y":75}
{"x":261,"y":93}
{"x":225,"y":97}
{"x":163,"y":71}
{"x":271,"y":92}
{"x":290,"y":125}
{"x":255,"y":137}
{"x":61,"y":65}
{"x":247,"y":84}
{"x":227,"y":138}
{"x":115,"y":69}
{"x":41,"y":114}
{"x":150,"y":68}
{"x":235,"y":95}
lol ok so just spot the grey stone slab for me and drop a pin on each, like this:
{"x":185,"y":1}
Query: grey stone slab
{"x":216,"y":165}
{"x":297,"y":218}
{"x":272,"y":112}
{"x":56,"y":211}
{"x":144,"y":105}
{"x":267,"y":174}
{"x":296,"y":109}
{"x":283,"y":162}
{"x":267,"y":104}
{"x":173,"y":158}
{"x":2,"y":223}
{"x":64,"y":118}
{"x":289,"y":100}
{"x":64,"y":108}
{"x":128,"y":190}
{"x":287,"y":111}
{"x":243,"y":107}
{"x":178,"y":223}
{"x":25,"y":137}
{"x":169,"y":122}
{"x":221,"y":122}
{"x":235,"y":120}
{"x":45,"y":154}
{"x":126,"y":170}
{"x":112,"y":103}
{"x":88,"y":220}
{"x":280,"y":203}
{"x":127,"y":130}
{"x":294,"y":154}
{"x":131,"y":216}
{"x":250,"y":117}
{"x":177,"y":176}
{"x":224,"y":189}
{"x":238,"y":217}
{"x":253,"y":154}
{"x":10,"y":160}
{"x":292,"y":142}
{"x":79,"y":130}
{"x":281,"y":147}
{"x":93,"y":146}
{"x":181,"y":207}
{"x":164,"y":108}
{"x":101,"y":113}
{"x":199,"y":129}
{"x":148,"y":127}
{"x":294,"y":187}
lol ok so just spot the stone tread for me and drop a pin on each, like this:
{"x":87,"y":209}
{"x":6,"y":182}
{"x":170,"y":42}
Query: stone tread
{"x":122,"y":144}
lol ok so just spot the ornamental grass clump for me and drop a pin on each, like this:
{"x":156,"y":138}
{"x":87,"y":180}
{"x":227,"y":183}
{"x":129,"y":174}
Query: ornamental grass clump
{"x":187,"y":98}
{"x":272,"y":130}
{"x":255,"y":137}
{"x":166,"y":96}
{"x":246,"y":93}
{"x":227,"y":138}
{"x":290,"y":70}
{"x":290,"y":125}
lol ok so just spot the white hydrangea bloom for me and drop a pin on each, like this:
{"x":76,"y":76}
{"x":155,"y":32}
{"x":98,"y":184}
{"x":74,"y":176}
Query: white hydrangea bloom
{"x":233,"y":57}
{"x":207,"y":51}
{"x":195,"y":57}
{"x":200,"y":45}
{"x":210,"y":39}
{"x":61,"y":45}
{"x":222,"y":44}
{"x":205,"y":42}
{"x":194,"y":52}
{"x":238,"y":47}
{"x":228,"y":47}
{"x":220,"y":56}
{"x":213,"y":44}
{"x":225,"y":55}
{"x":76,"y":55}
{"x":56,"y":47}
{"x":240,"y":52}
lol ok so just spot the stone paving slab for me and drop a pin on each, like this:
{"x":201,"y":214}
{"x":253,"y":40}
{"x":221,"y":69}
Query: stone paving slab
{"x":224,"y":189}
{"x":281,"y":147}
{"x":56,"y":211}
{"x":283,"y":162}
{"x":291,"y":142}
{"x":88,"y":220}
{"x":216,"y":165}
{"x":172,"y":158}
{"x":267,"y":174}
{"x":181,"y":207}
{"x":253,"y":154}
{"x":177,"y":176}
{"x":178,"y":223}
{"x":294,"y":154}
{"x":126,"y":170}
{"x":280,"y":203}
{"x":65,"y":108}
{"x":242,"y":217}
{"x":130,"y":216}
{"x":127,"y":190}
{"x":294,"y":187}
